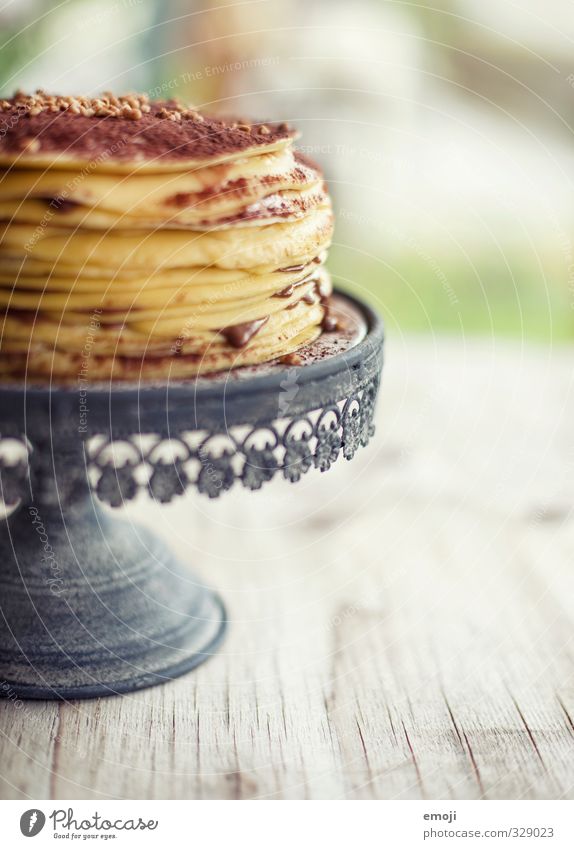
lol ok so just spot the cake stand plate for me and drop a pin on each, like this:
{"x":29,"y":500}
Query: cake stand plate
{"x":92,"y":604}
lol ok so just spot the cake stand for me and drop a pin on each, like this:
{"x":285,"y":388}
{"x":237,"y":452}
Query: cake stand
{"x":92,"y":604}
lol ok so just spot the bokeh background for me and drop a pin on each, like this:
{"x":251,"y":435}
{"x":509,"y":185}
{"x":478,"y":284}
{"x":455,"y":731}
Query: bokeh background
{"x":445,"y":133}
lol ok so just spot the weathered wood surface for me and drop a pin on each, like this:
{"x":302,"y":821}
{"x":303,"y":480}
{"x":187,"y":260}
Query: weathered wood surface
{"x":402,"y":627}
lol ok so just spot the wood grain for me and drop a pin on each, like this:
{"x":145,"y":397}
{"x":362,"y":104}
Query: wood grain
{"x":401,"y":627}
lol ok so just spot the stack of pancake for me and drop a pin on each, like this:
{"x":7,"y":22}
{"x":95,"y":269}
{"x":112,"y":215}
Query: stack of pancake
{"x":144,"y":240}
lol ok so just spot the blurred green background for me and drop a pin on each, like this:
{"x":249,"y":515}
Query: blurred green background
{"x":445,"y":133}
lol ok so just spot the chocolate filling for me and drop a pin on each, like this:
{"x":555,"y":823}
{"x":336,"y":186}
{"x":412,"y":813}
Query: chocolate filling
{"x":286,"y":292}
{"x":238,"y":335}
{"x":289,"y":269}
{"x":293,"y":268}
{"x":329,"y":323}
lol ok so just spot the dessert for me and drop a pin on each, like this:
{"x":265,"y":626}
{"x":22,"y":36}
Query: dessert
{"x":144,"y":240}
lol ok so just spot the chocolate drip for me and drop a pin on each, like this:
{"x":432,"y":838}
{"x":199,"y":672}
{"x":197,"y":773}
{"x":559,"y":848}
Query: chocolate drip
{"x":293,"y":268}
{"x":329,"y":323}
{"x":288,"y":290}
{"x":320,"y":293}
{"x":238,"y":335}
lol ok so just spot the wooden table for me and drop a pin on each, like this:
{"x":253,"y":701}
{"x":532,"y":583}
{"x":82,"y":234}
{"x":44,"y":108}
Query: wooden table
{"x":402,"y":627}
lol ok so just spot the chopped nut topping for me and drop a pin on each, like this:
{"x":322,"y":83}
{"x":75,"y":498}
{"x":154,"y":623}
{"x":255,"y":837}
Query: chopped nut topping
{"x":108,"y":105}
{"x":192,"y":115}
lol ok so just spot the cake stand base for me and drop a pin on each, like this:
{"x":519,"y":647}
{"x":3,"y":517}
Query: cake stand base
{"x":91,"y":605}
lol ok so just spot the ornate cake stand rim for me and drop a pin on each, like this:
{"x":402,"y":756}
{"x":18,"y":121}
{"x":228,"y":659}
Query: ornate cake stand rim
{"x":331,"y":365}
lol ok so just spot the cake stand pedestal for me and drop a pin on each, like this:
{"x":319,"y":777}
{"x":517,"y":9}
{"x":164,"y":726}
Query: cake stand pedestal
{"x":92,"y":604}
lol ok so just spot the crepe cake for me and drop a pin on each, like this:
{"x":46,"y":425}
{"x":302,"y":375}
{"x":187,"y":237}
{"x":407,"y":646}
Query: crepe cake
{"x":145,"y":240}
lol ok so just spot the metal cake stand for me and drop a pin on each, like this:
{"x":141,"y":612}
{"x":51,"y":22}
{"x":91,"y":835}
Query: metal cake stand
{"x":92,"y":604}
